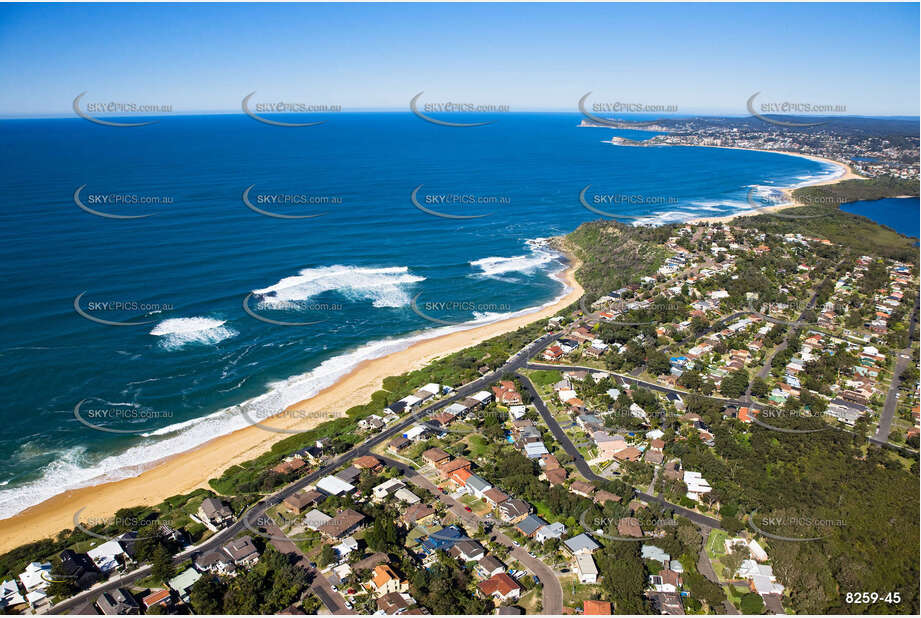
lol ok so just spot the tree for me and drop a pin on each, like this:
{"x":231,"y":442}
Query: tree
{"x":162,"y":564}
{"x":759,"y":387}
{"x":733,"y":560}
{"x":207,"y":596}
{"x":327,"y":556}
{"x":752,"y":604}
{"x":657,"y":362}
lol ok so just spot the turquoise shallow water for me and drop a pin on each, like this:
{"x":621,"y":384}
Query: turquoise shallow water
{"x":175,"y":379}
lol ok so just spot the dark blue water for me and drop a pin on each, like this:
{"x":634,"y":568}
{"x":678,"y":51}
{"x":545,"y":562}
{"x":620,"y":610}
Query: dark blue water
{"x":354,"y":271}
{"x":901,"y":214}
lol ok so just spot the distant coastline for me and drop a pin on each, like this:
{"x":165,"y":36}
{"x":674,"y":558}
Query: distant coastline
{"x":846,"y":174}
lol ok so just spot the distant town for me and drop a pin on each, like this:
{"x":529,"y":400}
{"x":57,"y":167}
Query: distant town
{"x":872,"y":148}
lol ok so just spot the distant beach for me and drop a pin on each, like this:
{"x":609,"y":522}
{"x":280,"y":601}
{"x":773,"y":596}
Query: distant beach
{"x":846,"y":174}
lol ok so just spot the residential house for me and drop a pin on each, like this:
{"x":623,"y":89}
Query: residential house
{"x":494,"y":496}
{"x":384,"y":580}
{"x":586,"y":569}
{"x":343,"y":524}
{"x":417,"y":514}
{"x":488,"y":566}
{"x":500,"y":587}
{"x":435,"y":456}
{"x":183,"y":582}
{"x":506,"y":393}
{"x":242,"y":551}
{"x":596,"y":608}
{"x":467,"y":550}
{"x":297,"y":502}
{"x":214,"y":513}
{"x":529,"y":525}
{"x":334,"y":486}
{"x":161,"y":598}
{"x":581,"y":544}
{"x":214,"y":562}
{"x":581,"y":488}
{"x":119,"y":602}
{"x":513,"y":510}
{"x":107,"y":556}
{"x":555,"y":530}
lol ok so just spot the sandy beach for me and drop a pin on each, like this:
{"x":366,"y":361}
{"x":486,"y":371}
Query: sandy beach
{"x":192,"y":469}
{"x":848,"y":174}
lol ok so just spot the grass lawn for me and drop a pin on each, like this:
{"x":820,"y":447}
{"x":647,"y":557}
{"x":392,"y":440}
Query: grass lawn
{"x":716,"y":543}
{"x":479,"y":507}
{"x":735,"y":593}
{"x":574,"y":593}
{"x":529,"y":601}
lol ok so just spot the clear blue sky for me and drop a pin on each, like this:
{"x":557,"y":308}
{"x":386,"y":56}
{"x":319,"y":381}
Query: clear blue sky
{"x":702,"y":58}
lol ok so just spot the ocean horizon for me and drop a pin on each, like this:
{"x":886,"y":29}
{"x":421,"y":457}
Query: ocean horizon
{"x":261,"y":263}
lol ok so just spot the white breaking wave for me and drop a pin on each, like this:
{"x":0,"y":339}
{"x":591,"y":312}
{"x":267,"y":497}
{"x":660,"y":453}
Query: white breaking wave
{"x":73,"y":470}
{"x":540,"y":257}
{"x":178,"y":332}
{"x":385,"y":287}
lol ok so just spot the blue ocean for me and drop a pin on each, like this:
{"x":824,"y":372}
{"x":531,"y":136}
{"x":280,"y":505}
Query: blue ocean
{"x":128,"y":255}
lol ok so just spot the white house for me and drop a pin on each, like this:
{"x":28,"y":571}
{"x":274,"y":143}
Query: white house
{"x":37,"y":576}
{"x":387,"y":488}
{"x":550,"y":531}
{"x":106,"y":555}
{"x":334,"y":486}
{"x":10,"y":595}
{"x":586,"y":568}
{"x":697,"y":485}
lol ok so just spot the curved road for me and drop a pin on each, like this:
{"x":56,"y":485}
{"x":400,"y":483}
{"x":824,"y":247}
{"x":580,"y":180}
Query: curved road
{"x":586,"y":471}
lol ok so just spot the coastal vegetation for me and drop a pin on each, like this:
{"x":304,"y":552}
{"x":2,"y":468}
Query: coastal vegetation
{"x":856,"y":190}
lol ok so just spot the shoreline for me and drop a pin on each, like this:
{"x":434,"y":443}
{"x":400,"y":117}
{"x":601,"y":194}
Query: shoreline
{"x":184,"y":472}
{"x":846,"y":174}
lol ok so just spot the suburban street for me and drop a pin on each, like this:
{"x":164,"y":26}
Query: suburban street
{"x":552,"y":591}
{"x":586,"y":471}
{"x":892,"y":400}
